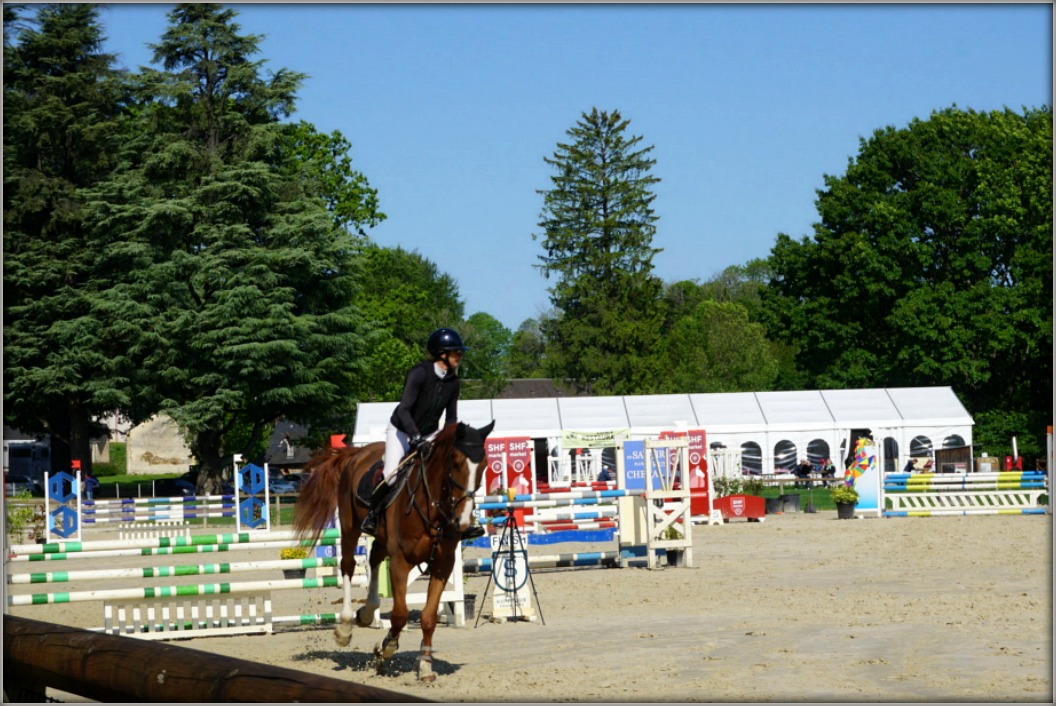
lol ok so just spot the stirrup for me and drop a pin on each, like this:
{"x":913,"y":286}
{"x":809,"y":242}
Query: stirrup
{"x":370,"y":525}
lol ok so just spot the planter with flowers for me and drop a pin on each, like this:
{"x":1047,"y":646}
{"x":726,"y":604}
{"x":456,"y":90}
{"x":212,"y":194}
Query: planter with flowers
{"x":845,"y":497}
{"x":294,"y":553}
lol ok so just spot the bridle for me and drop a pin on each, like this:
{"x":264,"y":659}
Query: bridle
{"x":440,"y":514}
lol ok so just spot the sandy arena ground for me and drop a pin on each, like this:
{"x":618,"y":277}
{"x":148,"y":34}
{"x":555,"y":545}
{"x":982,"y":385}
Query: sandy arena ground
{"x":799,"y":608}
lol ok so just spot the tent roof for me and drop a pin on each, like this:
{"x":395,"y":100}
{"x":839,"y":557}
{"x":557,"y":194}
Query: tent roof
{"x":729,"y":412}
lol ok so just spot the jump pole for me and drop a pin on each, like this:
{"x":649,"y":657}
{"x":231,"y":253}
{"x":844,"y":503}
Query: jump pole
{"x":95,"y":666}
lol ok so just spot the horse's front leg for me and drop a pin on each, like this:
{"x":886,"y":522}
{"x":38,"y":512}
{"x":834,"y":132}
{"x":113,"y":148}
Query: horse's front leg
{"x":398,"y":571}
{"x":432,"y":605}
{"x":343,"y":631}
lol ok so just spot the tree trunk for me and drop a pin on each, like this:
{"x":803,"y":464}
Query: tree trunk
{"x":207,"y":448}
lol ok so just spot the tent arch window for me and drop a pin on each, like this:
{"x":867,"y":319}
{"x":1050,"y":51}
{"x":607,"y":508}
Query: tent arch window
{"x":953,"y":441}
{"x":890,"y":454}
{"x":751,"y":457}
{"x":817,"y":452}
{"x":784,"y":456}
{"x":920,"y":446}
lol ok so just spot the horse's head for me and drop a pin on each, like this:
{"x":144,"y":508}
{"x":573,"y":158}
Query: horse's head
{"x":462,"y":446}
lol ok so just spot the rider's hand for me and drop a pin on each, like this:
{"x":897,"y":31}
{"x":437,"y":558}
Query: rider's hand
{"x":420,"y":445}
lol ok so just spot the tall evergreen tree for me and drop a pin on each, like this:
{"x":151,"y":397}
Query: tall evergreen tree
{"x":235,"y":278}
{"x":63,"y":365}
{"x":598,"y":226}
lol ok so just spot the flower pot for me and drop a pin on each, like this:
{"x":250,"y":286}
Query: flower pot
{"x":845,"y":511}
{"x":294,"y":573}
{"x":773,"y":506}
{"x":789,"y":502}
{"x":676,"y":557}
{"x":469,"y":600}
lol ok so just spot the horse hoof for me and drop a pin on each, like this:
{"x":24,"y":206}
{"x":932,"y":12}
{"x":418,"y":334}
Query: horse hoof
{"x":342,"y":635}
{"x":427,"y":678}
{"x":364,"y":617}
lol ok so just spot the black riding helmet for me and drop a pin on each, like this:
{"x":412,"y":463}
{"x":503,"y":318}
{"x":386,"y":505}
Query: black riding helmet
{"x":444,"y":340}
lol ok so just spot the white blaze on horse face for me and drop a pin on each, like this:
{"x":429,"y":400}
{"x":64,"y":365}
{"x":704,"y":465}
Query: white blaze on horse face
{"x":465,"y":518}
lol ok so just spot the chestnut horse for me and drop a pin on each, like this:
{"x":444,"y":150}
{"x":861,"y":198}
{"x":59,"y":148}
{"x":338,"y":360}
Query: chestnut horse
{"x":422,"y":524}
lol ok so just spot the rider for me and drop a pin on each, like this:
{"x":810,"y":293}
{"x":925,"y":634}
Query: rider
{"x":430,"y":388}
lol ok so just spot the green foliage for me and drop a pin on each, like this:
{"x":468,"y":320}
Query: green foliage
{"x":526,"y":357}
{"x":64,"y":358}
{"x":485,"y":362}
{"x":932,"y":265}
{"x":715,"y":348}
{"x":323,"y":167}
{"x":404,"y":297}
{"x":24,"y":519}
{"x":234,"y":281}
{"x":843,"y":493}
{"x":118,"y":463}
{"x":737,"y":485}
{"x":598,"y":224}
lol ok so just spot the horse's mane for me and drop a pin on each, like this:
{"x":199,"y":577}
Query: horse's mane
{"x":443,"y":442}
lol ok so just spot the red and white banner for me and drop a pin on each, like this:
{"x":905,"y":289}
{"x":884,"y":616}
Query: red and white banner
{"x":509,"y":465}
{"x":699,"y":499}
{"x":519,"y":474}
{"x":697,"y":474}
{"x":495,"y":473}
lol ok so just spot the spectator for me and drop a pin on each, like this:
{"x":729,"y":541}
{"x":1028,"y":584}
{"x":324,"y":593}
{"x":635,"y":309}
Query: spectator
{"x":90,"y":484}
{"x":910,"y":466}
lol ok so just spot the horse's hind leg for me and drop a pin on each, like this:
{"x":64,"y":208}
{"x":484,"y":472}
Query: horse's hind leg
{"x":366,"y":614}
{"x":429,"y":612}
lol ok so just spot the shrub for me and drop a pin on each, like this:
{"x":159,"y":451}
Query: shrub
{"x":118,"y":463}
{"x":293,"y":553}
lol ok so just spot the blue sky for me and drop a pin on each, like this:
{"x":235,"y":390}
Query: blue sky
{"x":450,"y":110}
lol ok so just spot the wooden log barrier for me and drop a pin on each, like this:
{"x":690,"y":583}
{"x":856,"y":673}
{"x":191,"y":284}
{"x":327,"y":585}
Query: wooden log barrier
{"x":115,"y":669}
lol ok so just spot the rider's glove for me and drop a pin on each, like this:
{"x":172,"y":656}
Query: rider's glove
{"x":420,"y":445}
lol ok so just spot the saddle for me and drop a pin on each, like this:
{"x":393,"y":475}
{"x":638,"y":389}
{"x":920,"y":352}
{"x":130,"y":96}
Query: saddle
{"x":372,"y":481}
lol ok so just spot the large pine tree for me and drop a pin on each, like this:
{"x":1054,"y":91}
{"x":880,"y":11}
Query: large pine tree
{"x":598,"y":225}
{"x":63,"y":365}
{"x":233,"y":277}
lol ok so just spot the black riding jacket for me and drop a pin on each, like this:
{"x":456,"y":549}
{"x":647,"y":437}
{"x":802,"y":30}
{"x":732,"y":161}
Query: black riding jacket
{"x":425,"y":398}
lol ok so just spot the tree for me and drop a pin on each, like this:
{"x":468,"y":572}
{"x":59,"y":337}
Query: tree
{"x":527,"y":352}
{"x":486,"y":360}
{"x":598,"y":224}
{"x":932,"y":265}
{"x":405,"y":297}
{"x":233,"y":279}
{"x":63,"y":362}
{"x":715,"y":348}
{"x":322,"y":165}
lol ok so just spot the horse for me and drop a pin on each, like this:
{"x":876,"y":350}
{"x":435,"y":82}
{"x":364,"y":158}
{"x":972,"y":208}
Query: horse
{"x":431,"y":505}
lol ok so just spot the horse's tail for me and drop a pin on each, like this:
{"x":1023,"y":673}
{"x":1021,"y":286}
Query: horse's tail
{"x":317,"y":499}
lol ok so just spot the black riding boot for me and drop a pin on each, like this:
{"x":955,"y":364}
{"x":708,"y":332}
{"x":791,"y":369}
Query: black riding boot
{"x":370,"y":522}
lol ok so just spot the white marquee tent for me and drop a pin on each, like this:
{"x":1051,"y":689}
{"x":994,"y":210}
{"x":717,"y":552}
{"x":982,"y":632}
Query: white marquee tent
{"x":771,"y":429}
